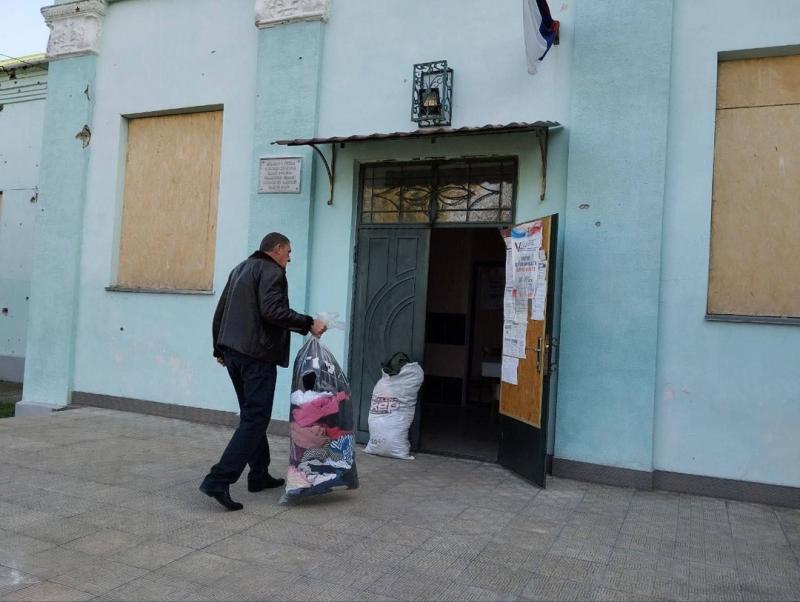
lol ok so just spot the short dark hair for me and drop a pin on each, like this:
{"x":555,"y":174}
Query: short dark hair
{"x":272,"y":240}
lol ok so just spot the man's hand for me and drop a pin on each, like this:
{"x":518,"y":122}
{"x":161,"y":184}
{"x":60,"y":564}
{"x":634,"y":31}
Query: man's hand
{"x":318,"y":328}
{"x":220,"y":361}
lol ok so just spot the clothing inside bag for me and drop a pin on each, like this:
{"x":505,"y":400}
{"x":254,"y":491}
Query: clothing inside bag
{"x":322,"y":444}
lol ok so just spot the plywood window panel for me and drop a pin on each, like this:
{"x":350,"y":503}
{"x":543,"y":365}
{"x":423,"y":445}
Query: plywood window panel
{"x":169,"y":217}
{"x":754,"y":269}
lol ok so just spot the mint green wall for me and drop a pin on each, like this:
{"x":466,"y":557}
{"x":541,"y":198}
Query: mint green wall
{"x":286,"y":107}
{"x":615,"y":199}
{"x":21,"y":126}
{"x":727,"y":395}
{"x":158,"y":346}
{"x":58,"y":233}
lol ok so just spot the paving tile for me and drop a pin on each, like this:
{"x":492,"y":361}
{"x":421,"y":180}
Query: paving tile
{"x":103,"y":542}
{"x":759,"y":586}
{"x":470,"y":593}
{"x":12,"y":580}
{"x":48,"y":563}
{"x":17,"y":518}
{"x":509,"y":555}
{"x":196,"y":535}
{"x":375,"y":550}
{"x":14,"y":543}
{"x":53,"y":502}
{"x":353,"y":525}
{"x":304,"y":589}
{"x":463,"y":546}
{"x":634,"y":580}
{"x":276,"y":555}
{"x":433,"y":563}
{"x":671,"y":588}
{"x":157,"y":587}
{"x":400,"y":533}
{"x":356,"y":574}
{"x":283,"y":531}
{"x":410,"y":585}
{"x":775,"y":560}
{"x":49,"y":592}
{"x":582,"y":550}
{"x":574,"y":569}
{"x":60,"y":530}
{"x":716,"y":593}
{"x":98,"y":576}
{"x":251,"y":583}
{"x":612,"y":595}
{"x":202,"y":568}
{"x":495,"y":577}
{"x":151,"y":554}
{"x":555,"y":589}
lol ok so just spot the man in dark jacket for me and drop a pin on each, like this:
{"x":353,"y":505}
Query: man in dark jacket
{"x":251,"y":331}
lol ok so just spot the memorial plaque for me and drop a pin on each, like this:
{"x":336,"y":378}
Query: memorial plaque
{"x":279,"y":175}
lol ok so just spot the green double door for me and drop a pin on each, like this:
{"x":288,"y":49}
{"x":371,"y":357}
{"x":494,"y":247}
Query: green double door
{"x":389,"y":317}
{"x":389,"y":312}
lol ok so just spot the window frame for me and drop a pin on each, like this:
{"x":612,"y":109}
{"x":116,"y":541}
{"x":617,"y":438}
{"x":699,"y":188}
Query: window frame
{"x":435,"y":164}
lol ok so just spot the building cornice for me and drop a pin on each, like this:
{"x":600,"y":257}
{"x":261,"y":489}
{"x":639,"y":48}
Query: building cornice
{"x":270,"y":13}
{"x":74,"y":28}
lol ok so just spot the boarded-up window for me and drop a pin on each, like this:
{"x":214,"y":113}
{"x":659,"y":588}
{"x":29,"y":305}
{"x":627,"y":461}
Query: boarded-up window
{"x":755,"y":220}
{"x":169,"y":217}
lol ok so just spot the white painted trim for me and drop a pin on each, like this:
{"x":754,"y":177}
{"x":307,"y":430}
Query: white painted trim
{"x":270,"y":13}
{"x":74,"y":28}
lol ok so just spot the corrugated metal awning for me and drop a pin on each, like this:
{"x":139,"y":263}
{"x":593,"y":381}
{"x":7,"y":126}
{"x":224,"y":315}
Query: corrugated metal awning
{"x":445,"y":132}
{"x":541,"y":128}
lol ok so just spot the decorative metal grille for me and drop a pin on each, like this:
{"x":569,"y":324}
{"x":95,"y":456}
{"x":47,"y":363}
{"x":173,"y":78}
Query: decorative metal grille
{"x":432,"y":96}
{"x":454,"y":192}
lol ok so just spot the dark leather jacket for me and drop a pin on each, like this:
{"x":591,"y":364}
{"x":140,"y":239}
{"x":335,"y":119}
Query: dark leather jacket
{"x":253,"y":315}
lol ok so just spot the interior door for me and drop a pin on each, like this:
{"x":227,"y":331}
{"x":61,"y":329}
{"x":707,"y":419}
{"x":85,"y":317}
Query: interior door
{"x":523,"y":406}
{"x":389,"y":312}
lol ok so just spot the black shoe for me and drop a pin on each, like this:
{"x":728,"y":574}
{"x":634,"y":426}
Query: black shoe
{"x":268,"y":482}
{"x":224,"y":498}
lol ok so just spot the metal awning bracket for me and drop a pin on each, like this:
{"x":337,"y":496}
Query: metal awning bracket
{"x":329,"y":167}
{"x":543,"y":136}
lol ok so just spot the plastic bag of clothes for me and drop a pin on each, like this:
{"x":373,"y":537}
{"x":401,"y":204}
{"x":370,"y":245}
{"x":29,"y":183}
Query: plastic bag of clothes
{"x":391,"y":412}
{"x":322,"y":444}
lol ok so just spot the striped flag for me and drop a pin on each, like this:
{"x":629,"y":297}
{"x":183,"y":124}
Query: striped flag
{"x":540,"y":30}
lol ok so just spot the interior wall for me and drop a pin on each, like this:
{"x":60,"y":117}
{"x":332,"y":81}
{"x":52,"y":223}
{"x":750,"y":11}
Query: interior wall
{"x":449,"y":280}
{"x":454,"y":256}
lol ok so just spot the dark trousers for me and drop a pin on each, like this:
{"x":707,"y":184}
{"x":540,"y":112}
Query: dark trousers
{"x":254,"y":382}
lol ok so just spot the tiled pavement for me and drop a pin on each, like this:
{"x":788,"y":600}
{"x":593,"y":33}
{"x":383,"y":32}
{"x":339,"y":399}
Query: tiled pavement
{"x":102,"y":504}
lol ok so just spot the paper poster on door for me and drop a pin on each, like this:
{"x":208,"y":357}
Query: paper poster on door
{"x":514,"y":338}
{"x":509,"y":370}
{"x":523,"y":269}
{"x":540,"y":296}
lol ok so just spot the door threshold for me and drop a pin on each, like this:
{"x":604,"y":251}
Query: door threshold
{"x":457,"y":455}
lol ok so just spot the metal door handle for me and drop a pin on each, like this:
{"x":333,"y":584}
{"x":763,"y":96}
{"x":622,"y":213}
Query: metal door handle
{"x":538,"y":349}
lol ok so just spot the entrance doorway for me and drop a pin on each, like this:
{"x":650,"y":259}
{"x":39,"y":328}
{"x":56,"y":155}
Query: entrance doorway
{"x":463,"y":343}
{"x":446,"y":217}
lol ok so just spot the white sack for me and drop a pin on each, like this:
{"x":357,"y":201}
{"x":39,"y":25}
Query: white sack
{"x":391,"y":412}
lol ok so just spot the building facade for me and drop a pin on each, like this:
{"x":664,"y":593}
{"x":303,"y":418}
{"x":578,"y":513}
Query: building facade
{"x":159,"y":175}
{"x":23,"y":90}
